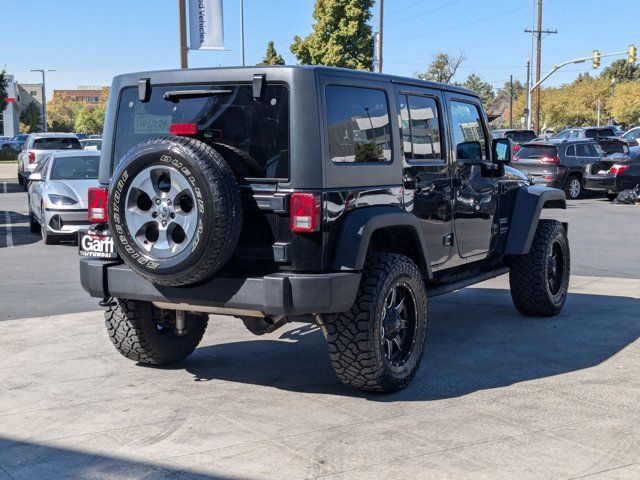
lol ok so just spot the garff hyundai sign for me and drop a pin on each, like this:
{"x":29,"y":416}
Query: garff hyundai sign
{"x":206,"y":30}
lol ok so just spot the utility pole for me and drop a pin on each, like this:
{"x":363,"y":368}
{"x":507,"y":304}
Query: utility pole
{"x":511,"y":101}
{"x":242,"y":30}
{"x":44,"y":98}
{"x":381,"y":24}
{"x":538,"y":32}
{"x":182,"y":19}
{"x":598,"y":108}
{"x":528,"y":108}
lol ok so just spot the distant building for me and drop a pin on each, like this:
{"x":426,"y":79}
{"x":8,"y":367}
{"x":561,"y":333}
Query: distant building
{"x":84,"y":94}
{"x":10,"y":118}
{"x":30,"y":92}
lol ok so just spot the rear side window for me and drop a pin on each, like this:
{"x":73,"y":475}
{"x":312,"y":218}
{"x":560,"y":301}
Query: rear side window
{"x":520,"y":137}
{"x":538,"y":151}
{"x":54,"y":143}
{"x":420,"y":123}
{"x":358,"y":125}
{"x":582,"y":150}
{"x":252,"y":135}
{"x":571,"y":151}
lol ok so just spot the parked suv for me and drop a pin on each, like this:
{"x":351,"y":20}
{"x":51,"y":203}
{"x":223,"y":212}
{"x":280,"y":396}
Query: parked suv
{"x":558,"y":163}
{"x":39,"y":145}
{"x":586,"y":132}
{"x":317,"y":194}
{"x":518,"y":137}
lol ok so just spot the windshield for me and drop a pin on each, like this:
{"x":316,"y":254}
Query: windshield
{"x":252,"y":135}
{"x":521,"y":137}
{"x":538,"y":151}
{"x":57,"y":143}
{"x":75,"y":168}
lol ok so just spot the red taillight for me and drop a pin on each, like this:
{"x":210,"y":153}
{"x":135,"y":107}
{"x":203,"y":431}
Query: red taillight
{"x":32,"y":157}
{"x":550,"y":160}
{"x":515,"y":158}
{"x":183,"y":129}
{"x":516,"y":147}
{"x":97,"y":203}
{"x":616,"y":169}
{"x":305,"y":212}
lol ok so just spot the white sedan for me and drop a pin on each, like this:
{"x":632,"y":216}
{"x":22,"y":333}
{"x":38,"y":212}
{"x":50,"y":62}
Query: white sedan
{"x":58,"y":193}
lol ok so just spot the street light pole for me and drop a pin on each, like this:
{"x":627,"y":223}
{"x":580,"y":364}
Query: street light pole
{"x":44,"y":98}
{"x":242,"y":30}
{"x":380,"y":33}
{"x":182,"y":19}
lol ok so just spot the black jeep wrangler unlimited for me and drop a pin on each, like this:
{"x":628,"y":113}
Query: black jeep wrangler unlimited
{"x":340,"y":197}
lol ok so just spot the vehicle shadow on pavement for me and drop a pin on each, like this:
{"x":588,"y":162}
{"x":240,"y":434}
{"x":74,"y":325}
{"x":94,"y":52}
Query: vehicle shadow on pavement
{"x":37,"y":460}
{"x":20,"y":233}
{"x":476,"y":341}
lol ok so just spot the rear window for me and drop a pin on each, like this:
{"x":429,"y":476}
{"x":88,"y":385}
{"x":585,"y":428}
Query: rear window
{"x":75,"y":168}
{"x":593,"y":133}
{"x":55,"y":143}
{"x":538,"y":151}
{"x":521,"y":137}
{"x":252,"y":135}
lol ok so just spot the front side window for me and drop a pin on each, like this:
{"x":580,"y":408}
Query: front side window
{"x":421,"y":124}
{"x":251,"y":134}
{"x":358,"y":125}
{"x":469,"y":139}
{"x":582,"y":150}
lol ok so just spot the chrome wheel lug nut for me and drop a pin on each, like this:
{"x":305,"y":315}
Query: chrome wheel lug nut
{"x":168,"y":202}
{"x":164,"y":223}
{"x":157,"y":201}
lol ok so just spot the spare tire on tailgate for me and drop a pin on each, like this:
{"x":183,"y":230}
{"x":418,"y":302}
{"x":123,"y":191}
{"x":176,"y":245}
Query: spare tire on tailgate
{"x":174,"y":210}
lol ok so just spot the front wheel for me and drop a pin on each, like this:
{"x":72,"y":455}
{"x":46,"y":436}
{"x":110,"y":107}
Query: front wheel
{"x":147,"y":334}
{"x":378,"y":344}
{"x":539,"y":280}
{"x":34,"y":226}
{"x":48,"y":238}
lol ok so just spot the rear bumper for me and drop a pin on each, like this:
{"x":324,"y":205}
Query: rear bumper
{"x":602,"y":183}
{"x":274,"y":294}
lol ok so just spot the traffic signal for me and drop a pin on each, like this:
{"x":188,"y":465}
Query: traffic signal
{"x":596,"y":59}
{"x":633,"y":54}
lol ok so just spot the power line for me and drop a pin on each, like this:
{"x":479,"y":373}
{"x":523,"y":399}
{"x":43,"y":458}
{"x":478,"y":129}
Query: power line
{"x":459,"y":26}
{"x":395,"y":12}
{"x":424,"y":13}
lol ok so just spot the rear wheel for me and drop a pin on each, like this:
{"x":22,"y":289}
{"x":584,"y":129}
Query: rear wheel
{"x":540,"y":280}
{"x":612,"y":196}
{"x":20,"y":179}
{"x":573,"y":187}
{"x":146,"y":334}
{"x":379,"y":343}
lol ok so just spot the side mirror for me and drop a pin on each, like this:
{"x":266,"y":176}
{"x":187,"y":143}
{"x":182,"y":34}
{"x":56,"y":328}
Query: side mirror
{"x":35,"y":177}
{"x":501,"y":151}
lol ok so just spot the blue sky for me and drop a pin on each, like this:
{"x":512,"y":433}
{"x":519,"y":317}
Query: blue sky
{"x":88,"y":42}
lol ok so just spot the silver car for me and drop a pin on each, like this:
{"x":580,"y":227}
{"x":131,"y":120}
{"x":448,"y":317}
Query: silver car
{"x":39,"y":145}
{"x":58,"y":193}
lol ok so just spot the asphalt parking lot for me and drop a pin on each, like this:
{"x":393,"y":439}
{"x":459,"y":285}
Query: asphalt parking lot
{"x":498,"y":396}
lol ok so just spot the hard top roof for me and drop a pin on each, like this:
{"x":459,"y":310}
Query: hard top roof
{"x":343,"y":72}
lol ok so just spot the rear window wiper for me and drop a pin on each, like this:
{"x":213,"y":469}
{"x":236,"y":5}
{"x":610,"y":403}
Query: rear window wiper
{"x":176,"y":95}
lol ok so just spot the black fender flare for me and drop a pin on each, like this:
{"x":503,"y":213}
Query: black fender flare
{"x":529,"y":203}
{"x":358,"y":227}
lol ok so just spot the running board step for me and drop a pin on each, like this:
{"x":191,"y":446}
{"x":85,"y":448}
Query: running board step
{"x":465,"y":282}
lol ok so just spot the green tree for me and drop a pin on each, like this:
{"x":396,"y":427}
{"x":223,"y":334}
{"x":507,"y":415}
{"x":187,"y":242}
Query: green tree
{"x":61,"y":113}
{"x":90,"y":118}
{"x":31,"y":117}
{"x":443,"y":68}
{"x":622,"y":71}
{"x":341,"y":36}
{"x":625,"y":105}
{"x":483,"y":89}
{"x":271,"y":57}
{"x":3,"y":91}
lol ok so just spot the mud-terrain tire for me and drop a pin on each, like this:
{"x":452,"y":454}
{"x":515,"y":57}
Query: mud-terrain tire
{"x":136,"y":330}
{"x":359,"y":340}
{"x":539,"y":280}
{"x":573,"y":188}
{"x":174,"y":210}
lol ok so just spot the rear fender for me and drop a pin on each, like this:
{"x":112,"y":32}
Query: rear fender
{"x":361,"y":225}
{"x":529,"y":203}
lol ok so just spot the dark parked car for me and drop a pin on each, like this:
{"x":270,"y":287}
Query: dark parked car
{"x":16,"y":143}
{"x":614,"y":173}
{"x":558,"y":163}
{"x":585,"y":132}
{"x":631,"y":136}
{"x":325,"y":195}
{"x":517,"y":137}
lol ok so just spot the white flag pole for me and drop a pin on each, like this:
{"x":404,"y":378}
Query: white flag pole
{"x":242,"y":30}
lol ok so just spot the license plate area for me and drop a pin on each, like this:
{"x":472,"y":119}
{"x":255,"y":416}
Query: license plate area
{"x":96,"y":244}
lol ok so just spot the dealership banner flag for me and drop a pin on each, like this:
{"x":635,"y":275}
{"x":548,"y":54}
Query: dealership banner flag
{"x":205,"y":25}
